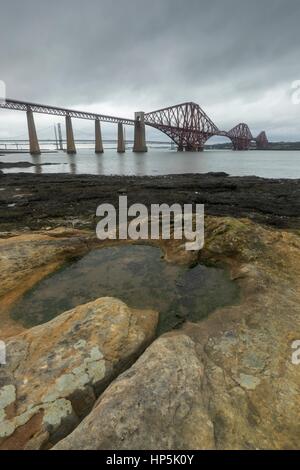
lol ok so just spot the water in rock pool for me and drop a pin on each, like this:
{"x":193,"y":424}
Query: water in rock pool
{"x":135,"y":274}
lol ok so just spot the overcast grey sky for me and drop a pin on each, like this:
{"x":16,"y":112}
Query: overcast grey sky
{"x":236,"y":58}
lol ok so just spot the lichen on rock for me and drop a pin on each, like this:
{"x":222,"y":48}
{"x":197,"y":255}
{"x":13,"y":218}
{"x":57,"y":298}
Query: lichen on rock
{"x":64,"y":366}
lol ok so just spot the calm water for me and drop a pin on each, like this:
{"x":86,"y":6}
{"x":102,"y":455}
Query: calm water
{"x":268,"y":164}
{"x":138,"y":276}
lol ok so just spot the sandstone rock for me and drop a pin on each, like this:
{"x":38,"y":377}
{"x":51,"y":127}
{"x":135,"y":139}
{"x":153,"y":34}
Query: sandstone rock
{"x":55,"y":371}
{"x":25,"y":259}
{"x":246,"y":350}
{"x":23,"y":255}
{"x":227,"y":382}
{"x":157,"y":404}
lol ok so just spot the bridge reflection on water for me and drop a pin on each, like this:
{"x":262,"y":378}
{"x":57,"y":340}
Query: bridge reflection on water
{"x":264,"y":163}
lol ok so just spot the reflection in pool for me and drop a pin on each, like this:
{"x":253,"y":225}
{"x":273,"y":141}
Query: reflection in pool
{"x":135,"y":274}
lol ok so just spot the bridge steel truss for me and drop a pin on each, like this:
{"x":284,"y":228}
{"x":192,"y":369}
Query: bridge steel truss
{"x":186,"y":124}
{"x":190,"y":127}
{"x":240,"y":136}
{"x":56,"y":111}
{"x":262,"y":140}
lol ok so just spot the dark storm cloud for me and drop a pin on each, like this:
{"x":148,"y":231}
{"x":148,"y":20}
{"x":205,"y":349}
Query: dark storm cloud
{"x":228,"y":55}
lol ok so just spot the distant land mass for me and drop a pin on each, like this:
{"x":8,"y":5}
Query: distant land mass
{"x":271,"y":146}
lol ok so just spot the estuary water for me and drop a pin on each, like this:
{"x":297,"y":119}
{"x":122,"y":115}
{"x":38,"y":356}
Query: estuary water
{"x":267,"y":163}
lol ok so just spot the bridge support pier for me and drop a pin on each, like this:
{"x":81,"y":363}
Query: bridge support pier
{"x":34,"y":147}
{"x":121,"y":142}
{"x":139,"y":133}
{"x":60,"y":140}
{"x":98,"y":137}
{"x":240,"y":144}
{"x":70,"y":136}
{"x":190,"y":148}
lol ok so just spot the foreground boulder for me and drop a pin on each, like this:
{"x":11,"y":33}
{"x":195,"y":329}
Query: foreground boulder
{"x":157,"y":404}
{"x":55,"y":371}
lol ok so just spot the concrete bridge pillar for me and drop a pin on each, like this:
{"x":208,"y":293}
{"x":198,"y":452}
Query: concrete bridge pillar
{"x":60,"y":139}
{"x":121,"y":142}
{"x":98,"y":137}
{"x":33,"y":140}
{"x":139,"y":133}
{"x":70,"y":136}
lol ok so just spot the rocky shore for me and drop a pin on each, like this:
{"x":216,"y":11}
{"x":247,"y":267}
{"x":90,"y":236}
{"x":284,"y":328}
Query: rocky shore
{"x":29,"y":201}
{"x":98,"y":377}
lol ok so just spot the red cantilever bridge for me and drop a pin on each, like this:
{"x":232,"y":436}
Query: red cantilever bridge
{"x":185,"y":124}
{"x":189,"y":127}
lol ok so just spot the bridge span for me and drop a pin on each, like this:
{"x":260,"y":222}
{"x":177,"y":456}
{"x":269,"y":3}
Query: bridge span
{"x":186,"y":124}
{"x":190,"y":127}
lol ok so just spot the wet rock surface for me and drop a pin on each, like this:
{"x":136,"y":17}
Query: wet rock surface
{"x":55,"y":371}
{"x":22,"y":164}
{"x":27,"y":258}
{"x":59,"y":199}
{"x":24,"y":254}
